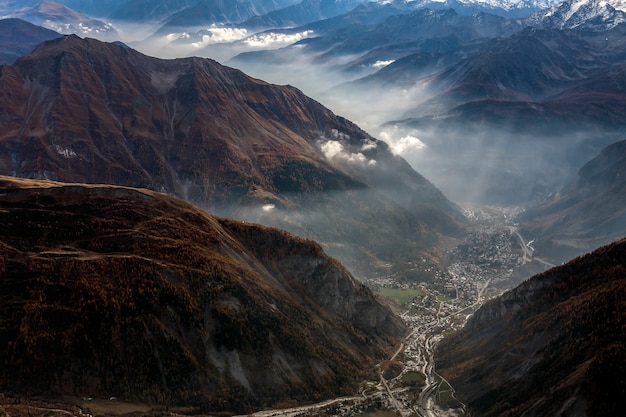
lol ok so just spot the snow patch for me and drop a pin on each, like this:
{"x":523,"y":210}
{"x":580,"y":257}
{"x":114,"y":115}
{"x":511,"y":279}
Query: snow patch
{"x":65,"y":152}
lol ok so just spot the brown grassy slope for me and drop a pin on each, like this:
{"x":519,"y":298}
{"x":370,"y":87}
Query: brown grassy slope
{"x":554,"y":343}
{"x":113,"y":291}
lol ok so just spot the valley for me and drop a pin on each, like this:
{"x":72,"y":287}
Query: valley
{"x":312,"y":208}
{"x":482,"y":266}
{"x":493,"y":259}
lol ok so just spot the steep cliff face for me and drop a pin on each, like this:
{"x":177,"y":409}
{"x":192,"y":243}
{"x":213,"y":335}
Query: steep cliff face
{"x":115,"y":291}
{"x":548,"y":347}
{"x":80,"y":110}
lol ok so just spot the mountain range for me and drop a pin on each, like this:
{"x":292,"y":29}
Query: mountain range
{"x":58,"y":17}
{"x":85,"y":111}
{"x":516,"y":108}
{"x":108,"y":290}
{"x":552,"y":346}
{"x":588,"y":14}
{"x":210,"y":12}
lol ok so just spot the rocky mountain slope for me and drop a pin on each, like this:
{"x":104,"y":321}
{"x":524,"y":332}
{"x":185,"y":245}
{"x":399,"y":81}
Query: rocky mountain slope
{"x":587,"y":213}
{"x":115,"y":291}
{"x":85,"y":111}
{"x":552,"y":346}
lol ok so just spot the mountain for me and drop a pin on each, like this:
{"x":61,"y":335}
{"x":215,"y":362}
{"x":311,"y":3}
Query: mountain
{"x":532,"y":65}
{"x":505,"y":8}
{"x":587,"y":213}
{"x":582,"y":14}
{"x":552,"y":346}
{"x":18,"y":38}
{"x":304,"y":12}
{"x":59,"y":18}
{"x":149,"y":11}
{"x":97,"y":8}
{"x":376,"y":33}
{"x":534,"y":106}
{"x":103,"y":113}
{"x":107,"y":290}
{"x":515,"y":109}
{"x":207,"y":12}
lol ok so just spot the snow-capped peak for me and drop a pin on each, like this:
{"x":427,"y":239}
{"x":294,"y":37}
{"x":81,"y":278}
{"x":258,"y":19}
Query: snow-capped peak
{"x":588,"y":14}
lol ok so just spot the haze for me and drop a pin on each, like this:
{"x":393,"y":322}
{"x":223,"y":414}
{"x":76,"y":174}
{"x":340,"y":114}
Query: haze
{"x":462,"y":163}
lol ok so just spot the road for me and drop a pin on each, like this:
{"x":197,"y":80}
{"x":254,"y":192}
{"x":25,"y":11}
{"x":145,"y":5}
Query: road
{"x":528,"y":252}
{"x":290,"y":412}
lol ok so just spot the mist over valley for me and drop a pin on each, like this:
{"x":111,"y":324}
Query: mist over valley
{"x":312,"y":207}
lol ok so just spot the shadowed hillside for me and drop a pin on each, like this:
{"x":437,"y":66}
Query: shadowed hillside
{"x":115,"y":291}
{"x":552,"y":346}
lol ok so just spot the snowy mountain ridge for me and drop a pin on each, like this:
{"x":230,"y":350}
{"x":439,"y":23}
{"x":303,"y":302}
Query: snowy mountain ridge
{"x":507,"y":5}
{"x":583,"y":14}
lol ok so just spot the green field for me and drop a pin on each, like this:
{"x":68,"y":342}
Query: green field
{"x":413,"y":378}
{"x":401,"y":296}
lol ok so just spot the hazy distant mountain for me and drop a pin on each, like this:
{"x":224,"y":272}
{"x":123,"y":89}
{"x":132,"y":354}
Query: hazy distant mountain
{"x":149,"y":10}
{"x":533,"y":65}
{"x":516,"y":110}
{"x":97,"y":8}
{"x":304,"y":12}
{"x":59,"y":18}
{"x":587,"y":213}
{"x":582,"y":14}
{"x":538,"y":104}
{"x":208,"y":12}
{"x":552,"y":346}
{"x":107,"y":290}
{"x":213,"y":135}
{"x":356,"y":34}
{"x":18,"y":38}
{"x":508,"y":8}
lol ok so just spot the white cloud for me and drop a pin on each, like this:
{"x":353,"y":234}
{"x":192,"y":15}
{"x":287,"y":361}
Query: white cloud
{"x":268,"y":207}
{"x":274,"y":39}
{"x":175,"y":36}
{"x":382,"y":64}
{"x":333,"y":149}
{"x":369,"y":144}
{"x":220,"y":35}
{"x":402,"y":145}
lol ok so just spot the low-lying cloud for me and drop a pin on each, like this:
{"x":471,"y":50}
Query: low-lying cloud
{"x":221,"y":35}
{"x":275,"y":39}
{"x":334,"y":150}
{"x":402,"y":144}
{"x":382,"y":64}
